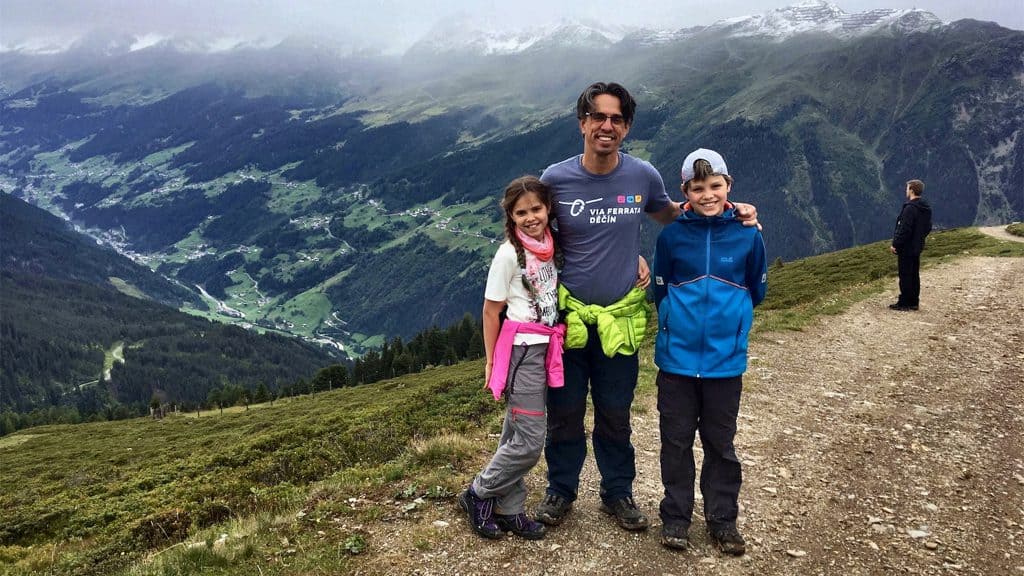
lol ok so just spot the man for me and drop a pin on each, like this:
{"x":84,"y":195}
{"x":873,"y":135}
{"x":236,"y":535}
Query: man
{"x":912,"y":226}
{"x":599,"y":198}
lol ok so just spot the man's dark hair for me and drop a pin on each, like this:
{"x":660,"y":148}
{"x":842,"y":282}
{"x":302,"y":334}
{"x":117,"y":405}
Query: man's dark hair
{"x":916,"y":186}
{"x":585,"y":103}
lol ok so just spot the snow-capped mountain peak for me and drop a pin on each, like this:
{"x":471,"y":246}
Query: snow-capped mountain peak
{"x":472,"y":35}
{"x":476,"y":35}
{"x":822,"y":16}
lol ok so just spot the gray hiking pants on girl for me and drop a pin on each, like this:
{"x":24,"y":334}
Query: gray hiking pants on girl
{"x":522,"y":435}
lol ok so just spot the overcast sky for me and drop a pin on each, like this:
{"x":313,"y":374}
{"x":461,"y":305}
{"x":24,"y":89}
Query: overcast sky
{"x":398,"y":23}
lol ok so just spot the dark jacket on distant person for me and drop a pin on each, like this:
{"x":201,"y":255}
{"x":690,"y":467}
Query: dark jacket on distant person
{"x":914,"y":223}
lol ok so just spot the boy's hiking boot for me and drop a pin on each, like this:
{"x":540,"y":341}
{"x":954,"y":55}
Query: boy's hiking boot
{"x":728,"y":540}
{"x":626,"y":513}
{"x":481,"y":514}
{"x":521,"y":525}
{"x":553,"y":510}
{"x":675,"y":536}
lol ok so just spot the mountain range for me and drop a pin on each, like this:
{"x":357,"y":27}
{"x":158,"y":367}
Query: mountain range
{"x":474,"y":33}
{"x":348,"y":196}
{"x":469,"y":35}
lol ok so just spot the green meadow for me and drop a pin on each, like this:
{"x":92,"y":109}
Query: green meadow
{"x":294,"y":487}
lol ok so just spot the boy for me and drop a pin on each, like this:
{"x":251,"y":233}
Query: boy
{"x":709,"y":273}
{"x":913,"y":225}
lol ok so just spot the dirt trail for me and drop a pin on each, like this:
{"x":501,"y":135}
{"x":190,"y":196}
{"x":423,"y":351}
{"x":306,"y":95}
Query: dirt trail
{"x":873,"y":442}
{"x":1001,"y":233}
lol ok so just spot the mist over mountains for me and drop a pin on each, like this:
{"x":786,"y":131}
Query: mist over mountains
{"x":465,"y":32}
{"x":349,"y":195}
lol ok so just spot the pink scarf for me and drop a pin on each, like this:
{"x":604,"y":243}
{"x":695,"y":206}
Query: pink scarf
{"x":543,"y":249}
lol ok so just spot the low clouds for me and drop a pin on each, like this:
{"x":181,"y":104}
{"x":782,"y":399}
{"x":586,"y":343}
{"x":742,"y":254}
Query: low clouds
{"x":395,"y":24}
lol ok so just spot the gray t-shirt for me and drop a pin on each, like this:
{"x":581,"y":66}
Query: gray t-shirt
{"x":598,"y":219}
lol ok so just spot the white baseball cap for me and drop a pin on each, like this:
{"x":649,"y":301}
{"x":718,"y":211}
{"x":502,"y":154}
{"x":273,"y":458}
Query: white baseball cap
{"x":714,"y":158}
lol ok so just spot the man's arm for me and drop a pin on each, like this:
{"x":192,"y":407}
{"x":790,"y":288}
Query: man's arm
{"x":904,"y":229}
{"x":745,"y":213}
{"x":667,"y":214}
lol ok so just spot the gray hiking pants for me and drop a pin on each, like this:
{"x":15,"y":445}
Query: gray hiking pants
{"x":522,"y":435}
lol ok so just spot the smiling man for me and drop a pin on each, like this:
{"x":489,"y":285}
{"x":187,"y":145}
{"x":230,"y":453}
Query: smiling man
{"x":600,"y":199}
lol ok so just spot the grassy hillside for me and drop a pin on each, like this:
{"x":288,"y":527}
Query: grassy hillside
{"x":99,"y":496}
{"x":297,"y":487}
{"x":36,"y":242}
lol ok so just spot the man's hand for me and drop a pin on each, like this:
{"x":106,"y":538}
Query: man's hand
{"x":643,"y":275}
{"x":892,"y":249}
{"x":747,"y":214}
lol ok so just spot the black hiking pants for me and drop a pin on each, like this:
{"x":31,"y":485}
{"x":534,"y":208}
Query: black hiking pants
{"x":708,"y":405}
{"x":909,"y":266}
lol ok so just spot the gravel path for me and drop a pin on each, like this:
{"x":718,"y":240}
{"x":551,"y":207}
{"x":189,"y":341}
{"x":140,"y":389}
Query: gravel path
{"x":873,"y":442}
{"x":1001,"y":233}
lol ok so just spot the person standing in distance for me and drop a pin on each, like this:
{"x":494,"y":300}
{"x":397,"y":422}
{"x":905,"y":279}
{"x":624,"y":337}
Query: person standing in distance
{"x":912,"y":226}
{"x":600,"y":198}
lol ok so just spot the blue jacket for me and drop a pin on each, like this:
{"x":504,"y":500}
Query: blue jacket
{"x":709,"y":273}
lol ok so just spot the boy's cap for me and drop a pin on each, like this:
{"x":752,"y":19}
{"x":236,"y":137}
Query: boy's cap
{"x":713,"y":158}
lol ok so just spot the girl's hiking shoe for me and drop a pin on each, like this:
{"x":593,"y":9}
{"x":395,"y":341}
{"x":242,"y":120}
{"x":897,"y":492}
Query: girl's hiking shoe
{"x":521,"y":525}
{"x":728,"y":540}
{"x":626,"y":513}
{"x":675,"y":536}
{"x":481,"y":514}
{"x":553,"y":510}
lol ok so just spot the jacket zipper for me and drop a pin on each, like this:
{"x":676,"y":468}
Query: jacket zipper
{"x":707,"y":276}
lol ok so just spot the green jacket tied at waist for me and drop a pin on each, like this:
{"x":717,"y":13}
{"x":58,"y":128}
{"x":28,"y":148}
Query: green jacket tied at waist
{"x":620,"y":325}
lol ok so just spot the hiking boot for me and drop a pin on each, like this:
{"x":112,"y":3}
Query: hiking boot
{"x":481,"y":514}
{"x":521,"y":525}
{"x":553,"y":510}
{"x":901,"y":307}
{"x":626,"y":513}
{"x":728,"y":540}
{"x":675,"y":536}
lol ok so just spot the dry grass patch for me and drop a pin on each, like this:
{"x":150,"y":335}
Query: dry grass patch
{"x":443,"y":449}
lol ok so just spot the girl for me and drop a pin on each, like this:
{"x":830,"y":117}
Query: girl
{"x":524,"y":357}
